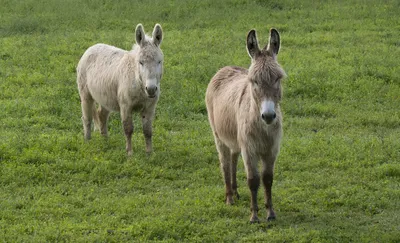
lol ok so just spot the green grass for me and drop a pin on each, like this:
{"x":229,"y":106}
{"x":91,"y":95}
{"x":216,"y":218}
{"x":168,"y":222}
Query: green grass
{"x":337,"y":178}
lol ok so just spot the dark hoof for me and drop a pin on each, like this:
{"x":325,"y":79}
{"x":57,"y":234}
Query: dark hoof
{"x":237,"y":196}
{"x":229,"y":200}
{"x":254,"y":221}
{"x":271,"y":218}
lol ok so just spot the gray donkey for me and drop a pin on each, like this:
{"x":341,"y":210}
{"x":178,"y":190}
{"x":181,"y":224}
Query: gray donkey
{"x":123,"y":81}
{"x":244,"y":114}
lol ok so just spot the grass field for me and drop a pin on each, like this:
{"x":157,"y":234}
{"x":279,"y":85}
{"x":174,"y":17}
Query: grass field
{"x":337,"y":178}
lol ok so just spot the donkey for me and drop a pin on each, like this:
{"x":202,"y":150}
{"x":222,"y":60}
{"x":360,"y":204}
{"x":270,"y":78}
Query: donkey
{"x":123,"y":81}
{"x":245,"y":117}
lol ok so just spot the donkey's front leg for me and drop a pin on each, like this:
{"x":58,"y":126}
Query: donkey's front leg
{"x":126,"y":117}
{"x":267,"y":178}
{"x":147,"y":123}
{"x":253,"y":181}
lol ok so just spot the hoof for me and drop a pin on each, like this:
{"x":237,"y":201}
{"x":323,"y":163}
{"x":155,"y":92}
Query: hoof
{"x":229,"y":201}
{"x":149,"y":149}
{"x":254,"y":220}
{"x":271,"y":215}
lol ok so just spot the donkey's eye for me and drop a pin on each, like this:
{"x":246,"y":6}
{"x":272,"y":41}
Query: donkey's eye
{"x":141,"y":63}
{"x":255,"y":82}
{"x":159,"y":62}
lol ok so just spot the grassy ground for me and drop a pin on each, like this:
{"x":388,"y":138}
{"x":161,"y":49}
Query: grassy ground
{"x":338,"y":174}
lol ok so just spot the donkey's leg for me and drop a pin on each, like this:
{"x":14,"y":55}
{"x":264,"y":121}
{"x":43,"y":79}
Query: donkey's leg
{"x":268,"y":162}
{"x":147,"y":123}
{"x":253,"y":181}
{"x":224,"y":154}
{"x":87,"y":104}
{"x":103,"y":120}
{"x":126,"y":117}
{"x":234,"y":159}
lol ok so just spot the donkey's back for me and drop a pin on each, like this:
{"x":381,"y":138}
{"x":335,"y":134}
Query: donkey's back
{"x":100,"y":63}
{"x":99,"y":73}
{"x":224,"y":95}
{"x":101,"y":53}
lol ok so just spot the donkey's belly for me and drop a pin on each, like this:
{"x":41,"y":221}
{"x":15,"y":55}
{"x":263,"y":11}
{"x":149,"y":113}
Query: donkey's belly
{"x":226,"y":131}
{"x":231,"y":143}
{"x":108,"y":102}
{"x":104,"y":97}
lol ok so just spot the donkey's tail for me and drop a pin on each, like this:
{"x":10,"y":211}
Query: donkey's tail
{"x":96,"y":118}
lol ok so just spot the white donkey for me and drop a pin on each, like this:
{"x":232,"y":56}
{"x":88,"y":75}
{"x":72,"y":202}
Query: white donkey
{"x":123,"y":81}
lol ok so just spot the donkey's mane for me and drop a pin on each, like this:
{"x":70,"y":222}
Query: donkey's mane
{"x":267,"y":70}
{"x":148,"y":41}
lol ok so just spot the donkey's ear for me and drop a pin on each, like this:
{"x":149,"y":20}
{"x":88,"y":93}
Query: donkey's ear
{"x":140,"y":35}
{"x":274,"y":42}
{"x":252,"y":44}
{"x":157,"y":35}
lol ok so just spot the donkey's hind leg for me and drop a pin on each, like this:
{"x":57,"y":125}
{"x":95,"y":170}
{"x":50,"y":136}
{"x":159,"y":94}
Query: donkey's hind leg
{"x":87,"y":104}
{"x":103,"y":114}
{"x":226,"y":169}
{"x":234,"y":159}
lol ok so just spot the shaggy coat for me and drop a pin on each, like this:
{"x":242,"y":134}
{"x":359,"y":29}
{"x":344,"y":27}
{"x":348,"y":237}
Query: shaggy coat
{"x":122,"y":81}
{"x":245,"y":117}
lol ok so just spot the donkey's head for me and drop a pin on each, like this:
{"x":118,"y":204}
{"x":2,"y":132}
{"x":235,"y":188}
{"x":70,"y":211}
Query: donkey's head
{"x":265,"y":74}
{"x":150,"y":59}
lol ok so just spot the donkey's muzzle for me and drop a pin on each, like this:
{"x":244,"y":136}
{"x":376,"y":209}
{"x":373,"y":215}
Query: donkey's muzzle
{"x":268,"y":117}
{"x":268,"y":113}
{"x":151,"y":91}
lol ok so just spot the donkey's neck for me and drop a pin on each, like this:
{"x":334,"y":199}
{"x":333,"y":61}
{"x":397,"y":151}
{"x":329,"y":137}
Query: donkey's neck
{"x":249,"y":105}
{"x":135,"y":49}
{"x":133,"y":55}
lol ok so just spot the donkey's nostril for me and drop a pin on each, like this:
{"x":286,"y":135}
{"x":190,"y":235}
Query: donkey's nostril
{"x":268,"y":117}
{"x":151,"y":90}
